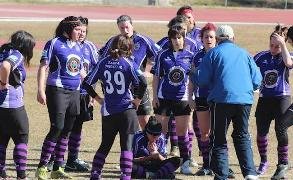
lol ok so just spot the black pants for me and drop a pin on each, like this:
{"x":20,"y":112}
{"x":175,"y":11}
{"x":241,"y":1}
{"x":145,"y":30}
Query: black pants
{"x":63,"y":107}
{"x":274,"y":108}
{"x":13,"y":124}
{"x":124,"y":123}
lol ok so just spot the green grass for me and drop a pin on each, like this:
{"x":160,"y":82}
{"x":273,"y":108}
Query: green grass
{"x":253,"y":38}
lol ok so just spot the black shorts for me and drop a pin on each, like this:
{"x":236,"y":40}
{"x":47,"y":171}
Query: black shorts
{"x":272,"y":107}
{"x":145,"y":107}
{"x":177,"y":107}
{"x":86,"y":111}
{"x":14,"y":121}
{"x":202,"y":104}
{"x":124,"y":122}
{"x":62,"y":101}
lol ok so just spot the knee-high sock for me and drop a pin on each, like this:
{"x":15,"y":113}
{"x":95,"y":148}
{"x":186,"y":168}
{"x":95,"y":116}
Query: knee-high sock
{"x":262,"y":144}
{"x":183,"y":143}
{"x":172,"y":131}
{"x":47,"y":151}
{"x":2,"y":157}
{"x":20,"y":159}
{"x":196,"y":130}
{"x":205,"y":153}
{"x":283,"y":154}
{"x":60,"y":150}
{"x":98,"y":163}
{"x":73,"y":146}
{"x":126,"y":158}
{"x":190,"y":136}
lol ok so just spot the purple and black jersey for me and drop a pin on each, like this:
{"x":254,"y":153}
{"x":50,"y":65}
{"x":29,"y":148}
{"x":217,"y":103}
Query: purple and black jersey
{"x":13,"y":96}
{"x":189,"y":44}
{"x":144,"y":48}
{"x":90,"y":58}
{"x":197,"y":59}
{"x":195,"y":35}
{"x":116,"y":75}
{"x":64,"y":59}
{"x":140,"y":144}
{"x":173,"y":69}
{"x":275,"y":74}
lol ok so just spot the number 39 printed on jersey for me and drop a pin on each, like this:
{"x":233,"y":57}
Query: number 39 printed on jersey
{"x":115,"y":82}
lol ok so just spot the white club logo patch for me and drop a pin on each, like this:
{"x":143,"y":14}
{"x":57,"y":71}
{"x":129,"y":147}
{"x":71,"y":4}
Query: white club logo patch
{"x":73,"y":65}
{"x":271,"y":78}
{"x":176,"y":75}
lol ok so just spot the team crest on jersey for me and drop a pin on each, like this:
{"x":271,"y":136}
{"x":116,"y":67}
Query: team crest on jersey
{"x":176,"y":75}
{"x":270,"y":78}
{"x":136,"y":46}
{"x":13,"y":58}
{"x":73,"y":64}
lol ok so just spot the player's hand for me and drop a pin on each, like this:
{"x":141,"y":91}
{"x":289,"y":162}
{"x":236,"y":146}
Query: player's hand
{"x":136,"y":102}
{"x":156,"y":102}
{"x":278,"y":39}
{"x":41,"y":97}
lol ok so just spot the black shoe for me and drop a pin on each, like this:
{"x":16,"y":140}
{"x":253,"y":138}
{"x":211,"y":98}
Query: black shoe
{"x":204,"y":172}
{"x":280,"y":172}
{"x":231,"y":174}
{"x":77,"y":166}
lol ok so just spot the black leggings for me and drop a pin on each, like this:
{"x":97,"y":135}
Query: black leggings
{"x":125,"y":124}
{"x":274,"y":108}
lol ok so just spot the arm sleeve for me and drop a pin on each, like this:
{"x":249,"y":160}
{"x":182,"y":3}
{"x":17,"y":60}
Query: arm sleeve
{"x":140,"y":83}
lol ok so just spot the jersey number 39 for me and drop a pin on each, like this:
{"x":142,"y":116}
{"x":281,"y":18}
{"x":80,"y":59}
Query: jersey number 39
{"x":117,"y":84}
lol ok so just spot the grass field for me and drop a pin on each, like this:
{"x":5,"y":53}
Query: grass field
{"x":253,"y":38}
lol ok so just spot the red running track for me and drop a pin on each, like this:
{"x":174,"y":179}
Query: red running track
{"x":145,"y":13}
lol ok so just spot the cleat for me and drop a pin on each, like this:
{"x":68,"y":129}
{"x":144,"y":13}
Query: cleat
{"x":231,"y":174}
{"x":60,"y":174}
{"x":174,"y":151}
{"x":204,"y":172}
{"x":77,"y":166}
{"x":42,"y":173}
{"x":185,"y":169}
{"x":263,"y":167}
{"x":251,"y":177}
{"x":280,"y":172}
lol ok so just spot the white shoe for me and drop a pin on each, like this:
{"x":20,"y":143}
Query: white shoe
{"x":185,"y":169}
{"x":192,"y":163}
{"x":251,"y":177}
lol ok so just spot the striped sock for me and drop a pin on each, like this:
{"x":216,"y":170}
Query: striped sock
{"x":2,"y":158}
{"x":183,"y":143}
{"x":262,"y":144}
{"x":73,"y":146}
{"x":283,"y":154}
{"x":190,"y":137}
{"x":47,"y":150}
{"x":126,"y":158}
{"x":196,"y":130}
{"x":60,"y":149}
{"x":172,"y":131}
{"x":98,"y":163}
{"x":205,"y":153}
{"x":20,"y":159}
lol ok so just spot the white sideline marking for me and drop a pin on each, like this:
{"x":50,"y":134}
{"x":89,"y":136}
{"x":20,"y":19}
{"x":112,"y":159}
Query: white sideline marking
{"x":37,"y":19}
